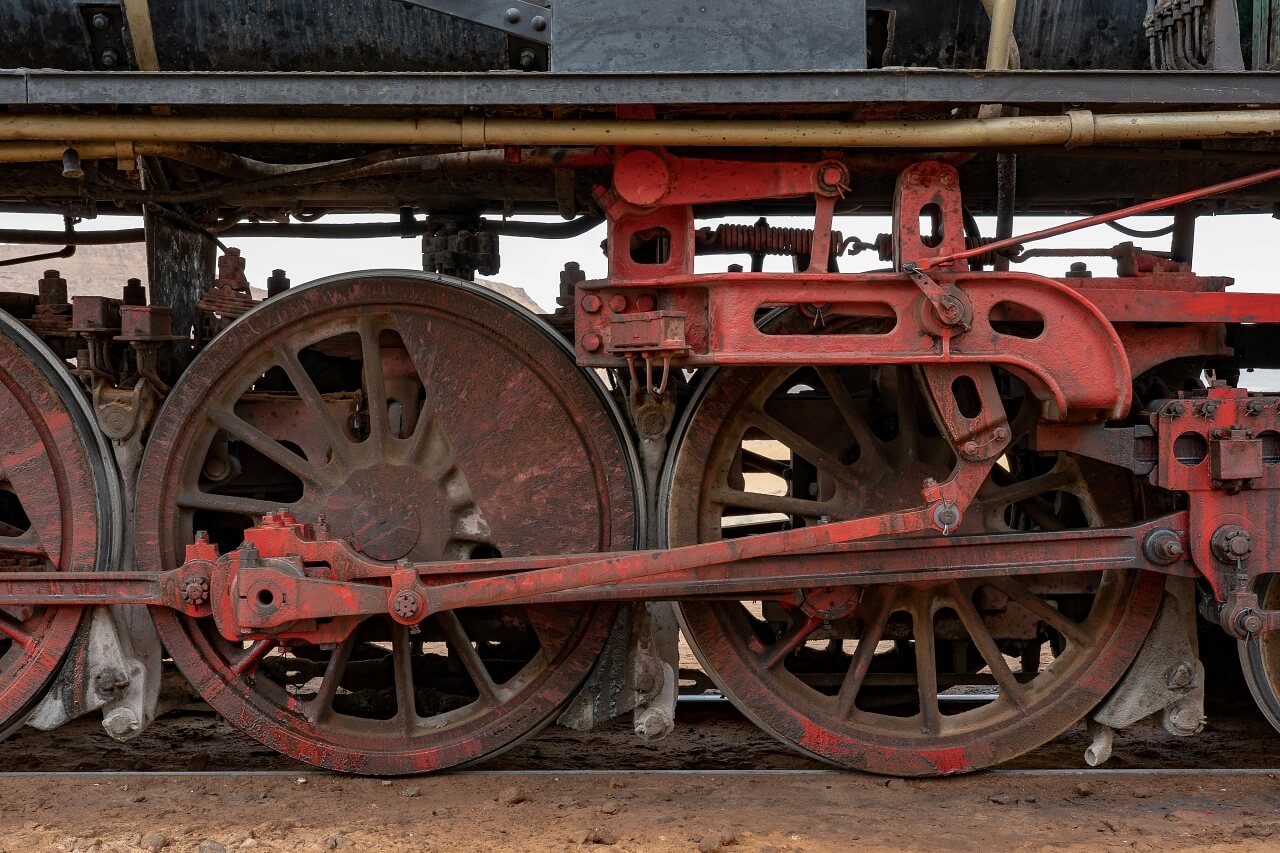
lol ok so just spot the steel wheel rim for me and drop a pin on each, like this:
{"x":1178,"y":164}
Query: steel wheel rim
{"x":1260,"y":658}
{"x":424,"y":310}
{"x":826,"y":726}
{"x":60,"y":473}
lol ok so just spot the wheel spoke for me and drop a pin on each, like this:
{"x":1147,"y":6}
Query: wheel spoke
{"x":865,"y":652}
{"x":926,"y":666}
{"x":322,"y":705}
{"x":195,"y":499}
{"x":789,"y":642}
{"x":266,"y":445}
{"x":375,"y":389}
{"x":27,"y":544}
{"x":314,"y":401}
{"x":869,"y":445}
{"x":987,"y":647}
{"x":402,"y":663}
{"x":758,"y":502}
{"x":1033,"y":487}
{"x":16,"y":632}
{"x":427,"y":447}
{"x":757,"y":462}
{"x":802,"y":446}
{"x":456,"y":637}
{"x":1038,"y":607}
{"x":252,"y":656}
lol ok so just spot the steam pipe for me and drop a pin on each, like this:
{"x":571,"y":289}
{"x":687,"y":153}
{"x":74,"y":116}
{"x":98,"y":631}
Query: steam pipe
{"x":1002,"y":13}
{"x":1080,"y":127}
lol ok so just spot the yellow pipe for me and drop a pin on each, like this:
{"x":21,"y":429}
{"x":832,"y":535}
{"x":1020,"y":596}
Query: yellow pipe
{"x":999,"y":45}
{"x":97,"y":135}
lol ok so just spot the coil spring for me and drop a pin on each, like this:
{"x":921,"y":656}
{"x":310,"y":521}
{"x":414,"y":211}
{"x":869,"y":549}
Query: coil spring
{"x":765,"y":239}
{"x":986,"y":258}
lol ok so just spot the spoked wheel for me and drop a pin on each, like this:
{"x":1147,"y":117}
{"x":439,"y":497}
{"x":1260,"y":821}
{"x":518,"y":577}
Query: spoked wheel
{"x":424,"y":419}
{"x":916,"y":679}
{"x":59,"y":508}
{"x":1260,"y":657}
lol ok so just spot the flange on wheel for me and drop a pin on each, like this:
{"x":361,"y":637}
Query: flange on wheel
{"x":421,"y":418}
{"x":908,"y":680}
{"x":59,"y":508}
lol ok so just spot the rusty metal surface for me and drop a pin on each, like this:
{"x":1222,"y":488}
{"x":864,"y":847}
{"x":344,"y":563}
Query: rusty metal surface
{"x":474,"y":434}
{"x":61,"y":509}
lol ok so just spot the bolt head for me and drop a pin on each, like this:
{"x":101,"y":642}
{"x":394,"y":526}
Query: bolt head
{"x":591,"y":303}
{"x":645,"y":302}
{"x":591,"y":342}
{"x":970,"y":448}
{"x":617,"y":303}
{"x":538,"y":23}
{"x":196,"y":591}
{"x":1180,"y":675}
{"x":406,"y":604}
{"x":513,"y":16}
{"x":100,"y":21}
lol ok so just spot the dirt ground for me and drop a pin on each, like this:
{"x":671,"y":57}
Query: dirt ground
{"x":485,"y":809}
{"x":641,"y":813}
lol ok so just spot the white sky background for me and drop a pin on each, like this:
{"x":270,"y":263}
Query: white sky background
{"x":1236,"y":246}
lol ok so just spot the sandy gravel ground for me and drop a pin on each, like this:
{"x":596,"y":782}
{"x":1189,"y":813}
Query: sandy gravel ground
{"x":642,"y":813}
{"x":614,"y":809}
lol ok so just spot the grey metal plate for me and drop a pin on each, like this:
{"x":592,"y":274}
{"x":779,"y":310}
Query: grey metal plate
{"x":709,"y":35}
{"x":497,"y":89}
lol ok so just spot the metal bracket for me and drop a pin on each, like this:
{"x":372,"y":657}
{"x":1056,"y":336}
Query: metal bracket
{"x":528,"y":21}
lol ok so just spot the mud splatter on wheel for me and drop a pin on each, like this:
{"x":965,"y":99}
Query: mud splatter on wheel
{"x":422,"y":418}
{"x":908,"y":680}
{"x":60,"y":508}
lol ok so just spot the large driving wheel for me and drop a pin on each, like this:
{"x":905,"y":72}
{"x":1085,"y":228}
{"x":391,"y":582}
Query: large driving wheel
{"x":914,"y":679}
{"x":60,"y":508}
{"x":422,"y":418}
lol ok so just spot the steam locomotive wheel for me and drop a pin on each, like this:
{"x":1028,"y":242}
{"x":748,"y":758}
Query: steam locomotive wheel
{"x":907,"y":680}
{"x":1260,"y":657}
{"x":422,"y":418}
{"x":59,"y":507}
